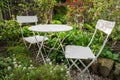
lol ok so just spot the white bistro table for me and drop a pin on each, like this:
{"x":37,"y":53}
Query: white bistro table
{"x":49,"y":28}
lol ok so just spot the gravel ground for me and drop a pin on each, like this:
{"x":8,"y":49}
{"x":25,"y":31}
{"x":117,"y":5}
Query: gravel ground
{"x":75,"y":76}
{"x":93,"y":77}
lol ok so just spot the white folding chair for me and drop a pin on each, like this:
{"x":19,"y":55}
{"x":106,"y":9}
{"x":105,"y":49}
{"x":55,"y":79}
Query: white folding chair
{"x":76,"y":53}
{"x":35,"y":39}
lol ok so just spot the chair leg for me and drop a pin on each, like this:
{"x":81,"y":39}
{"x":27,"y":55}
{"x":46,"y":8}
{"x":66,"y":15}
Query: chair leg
{"x":52,"y":48}
{"x":75,"y":64}
{"x":60,"y":45}
{"x":39,"y":51}
{"x":83,"y":64}
{"x":29,"y":46}
{"x":44,"y":50}
{"x":81,"y":71}
{"x":25,"y":43}
{"x":87,"y":66}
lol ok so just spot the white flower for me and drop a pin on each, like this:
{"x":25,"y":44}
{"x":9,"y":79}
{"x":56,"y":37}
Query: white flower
{"x":65,"y":66}
{"x":31,"y":65}
{"x":14,"y":62}
{"x":30,"y":60}
{"x":48,"y":59}
{"x":19,"y":66}
{"x":9,"y":68}
{"x":50,"y":63}
{"x":67,"y":72}
{"x":24,"y":68}
{"x":50,"y":71}
{"x":15,"y":65}
{"x":62,"y":69}
{"x":14,"y":59}
{"x":8,"y":57}
{"x":54,"y":69}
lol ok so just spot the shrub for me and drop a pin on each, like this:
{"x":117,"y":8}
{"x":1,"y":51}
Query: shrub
{"x":9,"y":31}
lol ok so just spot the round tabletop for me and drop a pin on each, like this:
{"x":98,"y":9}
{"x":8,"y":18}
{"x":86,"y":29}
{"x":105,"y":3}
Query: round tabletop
{"x":50,"y":28}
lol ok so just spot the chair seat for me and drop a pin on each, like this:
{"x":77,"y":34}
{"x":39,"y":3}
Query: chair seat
{"x":78,"y":52}
{"x":35,"y":39}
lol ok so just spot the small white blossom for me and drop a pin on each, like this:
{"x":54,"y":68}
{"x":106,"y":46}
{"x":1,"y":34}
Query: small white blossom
{"x":51,"y":71}
{"x":14,"y":62}
{"x":67,"y":72}
{"x":30,"y":60}
{"x":14,"y":59}
{"x":50,"y":63}
{"x":31,"y":65}
{"x":65,"y":66}
{"x":62,"y":69}
{"x":24,"y":68}
{"x":19,"y":66}
{"x":9,"y":68}
{"x":48,"y":59}
{"x":13,"y":54}
{"x":54,"y":69}
{"x":15,"y":65}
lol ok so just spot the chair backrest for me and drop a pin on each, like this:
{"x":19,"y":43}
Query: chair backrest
{"x":27,"y":19}
{"x":106,"y":27}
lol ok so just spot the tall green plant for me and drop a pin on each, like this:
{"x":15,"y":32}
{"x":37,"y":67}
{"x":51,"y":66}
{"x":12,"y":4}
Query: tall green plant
{"x":6,"y":7}
{"x":43,"y":9}
{"x":9,"y":31}
{"x":110,"y":10}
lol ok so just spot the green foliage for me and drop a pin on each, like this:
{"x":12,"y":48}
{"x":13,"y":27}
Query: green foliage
{"x":17,"y":49}
{"x":97,"y":9}
{"x":56,"y":22}
{"x":89,"y":27}
{"x":26,"y":31}
{"x":13,"y":68}
{"x":43,"y":9}
{"x":53,"y":72}
{"x":59,"y":13}
{"x":9,"y":30}
{"x":4,"y":63}
{"x":20,"y":66}
{"x":107,"y":53}
{"x":108,"y":10}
